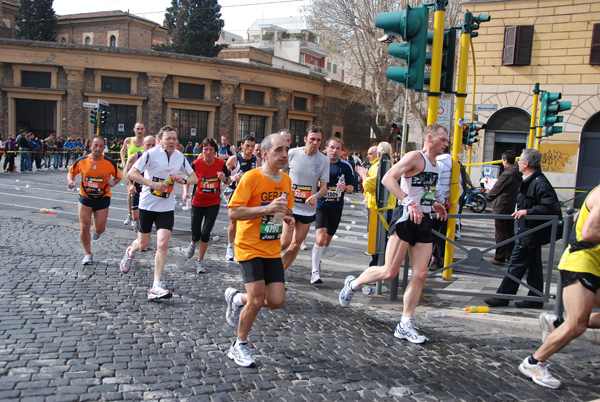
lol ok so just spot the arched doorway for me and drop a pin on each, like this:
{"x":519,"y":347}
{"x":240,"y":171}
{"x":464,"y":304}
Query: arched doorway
{"x":588,"y":169}
{"x":507,"y":129}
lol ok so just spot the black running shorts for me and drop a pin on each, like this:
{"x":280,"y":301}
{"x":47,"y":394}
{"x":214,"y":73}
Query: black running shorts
{"x":330,"y":219}
{"x":97,"y":204}
{"x":162,"y":220}
{"x":305,"y":219}
{"x":269,"y":270}
{"x":409,"y":231}
{"x":589,"y":281}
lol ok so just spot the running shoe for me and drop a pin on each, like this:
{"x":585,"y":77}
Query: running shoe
{"x":539,"y":374}
{"x":191,"y":250}
{"x":232,"y":315}
{"x":408,"y":332}
{"x":230,"y":256}
{"x":159,"y":292}
{"x":240,"y":354}
{"x":135,"y":225}
{"x":346,"y":293}
{"x":127,"y":220}
{"x":303,"y":246}
{"x":315,"y":278}
{"x":95,"y":236}
{"x":87,"y":259}
{"x":200,"y":268}
{"x":126,"y":261}
{"x":548,"y":323}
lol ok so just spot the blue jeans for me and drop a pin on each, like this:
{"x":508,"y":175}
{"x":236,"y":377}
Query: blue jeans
{"x":57,"y":160}
{"x":524,"y":260}
{"x":470,"y":193}
{"x":25,"y":160}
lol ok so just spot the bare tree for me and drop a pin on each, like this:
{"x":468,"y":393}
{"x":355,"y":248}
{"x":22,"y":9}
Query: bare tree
{"x":347,"y":27}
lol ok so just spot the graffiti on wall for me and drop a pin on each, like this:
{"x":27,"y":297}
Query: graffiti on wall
{"x":559,"y":158}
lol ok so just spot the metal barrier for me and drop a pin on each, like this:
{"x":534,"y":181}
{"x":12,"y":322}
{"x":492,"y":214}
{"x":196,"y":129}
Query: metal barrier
{"x":474,"y":256}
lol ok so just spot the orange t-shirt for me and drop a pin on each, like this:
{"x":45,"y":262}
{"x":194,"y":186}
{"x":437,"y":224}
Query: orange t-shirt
{"x":259,"y":237}
{"x":94,"y":176}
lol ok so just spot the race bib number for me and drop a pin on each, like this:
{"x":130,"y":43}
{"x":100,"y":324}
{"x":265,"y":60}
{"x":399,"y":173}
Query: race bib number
{"x":301,"y":193}
{"x":161,"y":194}
{"x":210,"y":185}
{"x":332,"y":195}
{"x":270,"y":229}
{"x":93,"y":187}
{"x":428,"y":198}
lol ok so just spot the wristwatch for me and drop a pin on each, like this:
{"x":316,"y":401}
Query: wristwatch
{"x":318,"y":196}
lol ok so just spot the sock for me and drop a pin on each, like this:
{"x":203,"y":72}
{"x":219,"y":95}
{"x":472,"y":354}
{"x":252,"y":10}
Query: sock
{"x":155,"y":283}
{"x":88,"y":252}
{"x":532,"y":360}
{"x":131,"y":255}
{"x":230,"y":245}
{"x":238,"y":342}
{"x":317,"y":255}
{"x":405,"y":320}
{"x":237,"y":300}
{"x":353,"y":286}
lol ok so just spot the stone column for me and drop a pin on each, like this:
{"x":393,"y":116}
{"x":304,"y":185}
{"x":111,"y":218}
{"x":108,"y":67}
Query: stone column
{"x":4,"y":129}
{"x":318,"y":103}
{"x":76,"y":117}
{"x":282,"y":103}
{"x":226,"y":124}
{"x":156,"y":109}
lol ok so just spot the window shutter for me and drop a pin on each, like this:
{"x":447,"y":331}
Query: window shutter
{"x":508,"y":55}
{"x":523,"y":45}
{"x":595,"y":49}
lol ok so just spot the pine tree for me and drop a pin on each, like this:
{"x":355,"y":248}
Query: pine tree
{"x":36,"y":20}
{"x":194,"y":27}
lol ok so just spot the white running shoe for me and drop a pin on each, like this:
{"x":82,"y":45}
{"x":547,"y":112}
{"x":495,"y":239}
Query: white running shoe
{"x":408,"y":332}
{"x":191,"y":250}
{"x":159,"y":292}
{"x":232,"y":315}
{"x":547,"y":324}
{"x":95,"y":236}
{"x":127,"y":220}
{"x":303,"y":246}
{"x":135,"y":225}
{"x":346,"y":293}
{"x":200,"y":268}
{"x":126,"y":261}
{"x":539,"y":374}
{"x":315,"y":278}
{"x":230,"y":255}
{"x":87,"y":259}
{"x":240,"y":354}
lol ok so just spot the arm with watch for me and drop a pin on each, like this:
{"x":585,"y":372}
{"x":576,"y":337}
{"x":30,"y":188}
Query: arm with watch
{"x":312,"y":200}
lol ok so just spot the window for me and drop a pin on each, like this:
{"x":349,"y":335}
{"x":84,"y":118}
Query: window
{"x":328,"y":66}
{"x":36,"y":79}
{"x":191,"y":91}
{"x":595,"y":49}
{"x":88,"y":40}
{"x":300,"y":103}
{"x":116,"y":85}
{"x":298,"y":129}
{"x":120,"y":121}
{"x":113,"y":41}
{"x":186,"y":120}
{"x":335,"y":68}
{"x":518,"y":41}
{"x":302,"y":59}
{"x":251,"y":124}
{"x":254,"y":97}
{"x":63,"y":40}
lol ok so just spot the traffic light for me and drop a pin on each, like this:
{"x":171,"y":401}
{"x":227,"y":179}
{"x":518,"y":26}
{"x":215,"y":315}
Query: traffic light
{"x":94,"y":116}
{"x":398,"y":128}
{"x":551,"y":106}
{"x":470,"y":131}
{"x":471,"y":23}
{"x":104,"y":117}
{"x":448,"y":59}
{"x":411,"y":25}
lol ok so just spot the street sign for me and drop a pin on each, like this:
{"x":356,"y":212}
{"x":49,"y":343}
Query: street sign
{"x":193,"y":132}
{"x":487,"y":107}
{"x":444,"y":112}
{"x":121,"y":127}
{"x":103,"y":102}
{"x":90,"y":104}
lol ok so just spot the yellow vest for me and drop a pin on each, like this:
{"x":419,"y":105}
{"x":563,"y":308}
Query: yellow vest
{"x":370,"y":186}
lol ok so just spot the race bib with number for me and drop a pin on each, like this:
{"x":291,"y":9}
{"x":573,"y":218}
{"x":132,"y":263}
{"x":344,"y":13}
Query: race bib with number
{"x":301,"y":193}
{"x":332,"y":195}
{"x":93,"y":187}
{"x":210,"y":185}
{"x":269,"y":229}
{"x":428,"y":198}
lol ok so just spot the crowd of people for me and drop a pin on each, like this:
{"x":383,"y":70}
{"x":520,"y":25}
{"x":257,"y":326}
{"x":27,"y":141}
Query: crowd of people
{"x":274,"y":193}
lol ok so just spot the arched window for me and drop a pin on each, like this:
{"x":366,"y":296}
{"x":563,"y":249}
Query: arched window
{"x":113,"y":41}
{"x":63,"y":40}
{"x":88,"y":40}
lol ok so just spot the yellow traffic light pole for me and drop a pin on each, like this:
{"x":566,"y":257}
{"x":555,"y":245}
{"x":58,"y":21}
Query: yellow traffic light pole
{"x":536,"y":97}
{"x":436,"y":65}
{"x":538,"y":134}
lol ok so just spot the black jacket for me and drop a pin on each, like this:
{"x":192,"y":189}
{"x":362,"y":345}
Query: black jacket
{"x":504,"y":193}
{"x":537,"y":196}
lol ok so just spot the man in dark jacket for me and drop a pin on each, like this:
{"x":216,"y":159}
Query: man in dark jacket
{"x":536,"y":197}
{"x":504,"y":197}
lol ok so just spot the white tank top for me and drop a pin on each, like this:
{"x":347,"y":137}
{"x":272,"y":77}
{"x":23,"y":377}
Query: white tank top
{"x":421,"y":187}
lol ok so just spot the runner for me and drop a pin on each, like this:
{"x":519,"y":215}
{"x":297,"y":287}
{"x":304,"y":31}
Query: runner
{"x":131,"y":145}
{"x":211,"y":172}
{"x":329,"y":208}
{"x":161,"y":167}
{"x":263,"y":195}
{"x":309,"y":170}
{"x":238,"y":165}
{"x":411,"y":227}
{"x":134,"y":189}
{"x":98,"y":174}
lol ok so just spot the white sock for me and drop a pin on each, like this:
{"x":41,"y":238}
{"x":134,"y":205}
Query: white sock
{"x":317,"y":255}
{"x":230,"y":245}
{"x":405,"y":320}
{"x":353,"y":286}
{"x":155,"y":283}
{"x":237,"y":300}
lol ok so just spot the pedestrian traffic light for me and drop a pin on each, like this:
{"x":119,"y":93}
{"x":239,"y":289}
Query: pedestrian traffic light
{"x":470,"y":131}
{"x":471,"y":23}
{"x":448,"y":59}
{"x":104,"y":117}
{"x":94,"y":116}
{"x":411,"y":25}
{"x":550,"y":107}
{"x":398,"y":128}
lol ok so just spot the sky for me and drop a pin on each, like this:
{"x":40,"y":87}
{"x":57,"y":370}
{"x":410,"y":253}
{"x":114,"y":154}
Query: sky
{"x":238,"y":15}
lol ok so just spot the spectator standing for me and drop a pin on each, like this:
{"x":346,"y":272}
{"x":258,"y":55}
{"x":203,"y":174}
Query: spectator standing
{"x":504,"y":198}
{"x":10,"y":148}
{"x":225,"y":149}
{"x":68,"y":146}
{"x":24,"y":151}
{"x":536,"y":197}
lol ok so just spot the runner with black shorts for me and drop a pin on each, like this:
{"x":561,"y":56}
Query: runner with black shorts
{"x":412,"y":181}
{"x":329,"y":208}
{"x":161,"y":168}
{"x":98,"y":174}
{"x":261,"y":203}
{"x":134,"y":189}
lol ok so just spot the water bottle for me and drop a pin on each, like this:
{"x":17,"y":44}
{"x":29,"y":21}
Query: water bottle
{"x":367,"y":290}
{"x":48,"y":211}
{"x":435,"y":314}
{"x":278,"y":217}
{"x":188,"y":204}
{"x":477,"y":309}
{"x":168,"y":182}
{"x":216,"y":238}
{"x":342,"y":179}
